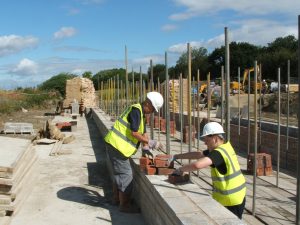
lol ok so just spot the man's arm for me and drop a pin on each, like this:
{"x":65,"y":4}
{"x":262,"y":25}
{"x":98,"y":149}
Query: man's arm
{"x":141,"y":137}
{"x":201,"y":163}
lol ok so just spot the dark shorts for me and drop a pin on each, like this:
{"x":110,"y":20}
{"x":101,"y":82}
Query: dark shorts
{"x":122,"y":171}
{"x":237,"y":209}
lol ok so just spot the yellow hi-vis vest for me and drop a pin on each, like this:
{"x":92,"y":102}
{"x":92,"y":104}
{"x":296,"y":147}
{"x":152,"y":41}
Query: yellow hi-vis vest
{"x":120,"y":136}
{"x":228,"y":189}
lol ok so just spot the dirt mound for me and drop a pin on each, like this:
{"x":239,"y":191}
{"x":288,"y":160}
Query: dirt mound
{"x":270,"y":103}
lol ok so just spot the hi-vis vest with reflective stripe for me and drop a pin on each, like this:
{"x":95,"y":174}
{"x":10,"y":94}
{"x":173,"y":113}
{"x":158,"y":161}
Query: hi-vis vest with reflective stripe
{"x":228,"y":189}
{"x":120,"y":135}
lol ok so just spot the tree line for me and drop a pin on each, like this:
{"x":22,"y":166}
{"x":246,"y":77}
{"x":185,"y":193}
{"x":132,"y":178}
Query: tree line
{"x":242,"y":54}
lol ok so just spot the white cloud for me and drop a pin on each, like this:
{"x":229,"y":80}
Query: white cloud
{"x":11,"y":44}
{"x":169,"y":27}
{"x":245,"y":7}
{"x":25,"y":67}
{"x":65,"y":32}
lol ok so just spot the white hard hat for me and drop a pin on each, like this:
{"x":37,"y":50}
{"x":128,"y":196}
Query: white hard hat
{"x":212,"y":128}
{"x":156,"y":99}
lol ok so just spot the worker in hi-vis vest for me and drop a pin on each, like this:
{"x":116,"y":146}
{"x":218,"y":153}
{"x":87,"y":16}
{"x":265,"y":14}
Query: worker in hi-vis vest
{"x":229,"y":184}
{"x":123,"y":140}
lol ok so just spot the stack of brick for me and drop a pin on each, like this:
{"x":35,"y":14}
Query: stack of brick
{"x":263,"y":164}
{"x":82,"y":90}
{"x":159,"y":165}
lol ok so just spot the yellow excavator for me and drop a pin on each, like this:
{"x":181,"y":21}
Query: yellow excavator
{"x":250,"y":72}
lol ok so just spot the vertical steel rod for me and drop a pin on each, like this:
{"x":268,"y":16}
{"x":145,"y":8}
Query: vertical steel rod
{"x":208,"y":97}
{"x":198,"y":114}
{"x":222,"y":95}
{"x":158,"y":89}
{"x":189,"y":63}
{"x":227,"y":73}
{"x":141,"y":85}
{"x":255,"y":138}
{"x":298,"y":159}
{"x":249,"y":137}
{"x":278,"y":129}
{"x":151,"y":89}
{"x":126,"y":77}
{"x":239,"y":108}
{"x":288,"y":114}
{"x":167,"y":113}
{"x":181,"y":112}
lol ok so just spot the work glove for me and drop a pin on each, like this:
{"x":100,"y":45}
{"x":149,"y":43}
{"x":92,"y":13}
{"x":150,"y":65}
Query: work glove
{"x":146,"y":152}
{"x":177,"y":172}
{"x":155,"y":145}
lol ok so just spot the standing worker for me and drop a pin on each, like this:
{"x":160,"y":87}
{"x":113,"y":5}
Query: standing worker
{"x":229,"y":184}
{"x":123,"y":140}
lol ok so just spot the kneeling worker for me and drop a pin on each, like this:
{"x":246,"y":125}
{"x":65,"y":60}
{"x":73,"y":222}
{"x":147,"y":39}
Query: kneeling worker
{"x":123,"y":140}
{"x":229,"y":185}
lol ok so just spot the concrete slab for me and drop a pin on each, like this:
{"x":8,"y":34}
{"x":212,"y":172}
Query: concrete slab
{"x":11,"y":151}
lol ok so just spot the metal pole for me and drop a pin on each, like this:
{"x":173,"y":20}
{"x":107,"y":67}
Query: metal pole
{"x":288,"y":114}
{"x":167,"y":106}
{"x":222,"y":95}
{"x":158,"y":89}
{"x":133,"y":99}
{"x":181,"y":112}
{"x":189,"y":63}
{"x":198,"y":114}
{"x":298,"y":160}
{"x":227,"y":69}
{"x":239,"y":118}
{"x":255,"y":138}
{"x":118,"y":96}
{"x":152,"y":114}
{"x":198,"y":110}
{"x":193,"y":109}
{"x":249,"y":137}
{"x":260,"y":117}
{"x":208,"y":97}
{"x":141,"y":85}
{"x":278,"y":129}
{"x":173,"y":102}
{"x":126,"y":77}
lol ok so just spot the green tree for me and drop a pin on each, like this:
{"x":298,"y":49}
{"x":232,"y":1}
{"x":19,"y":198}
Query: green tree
{"x":242,"y":55}
{"x":104,"y":75}
{"x":159,"y":71}
{"x":276,"y":55}
{"x":57,"y":83}
{"x":199,"y":60}
{"x":87,"y":74}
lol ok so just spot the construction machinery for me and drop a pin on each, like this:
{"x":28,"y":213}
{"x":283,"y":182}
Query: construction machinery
{"x":250,"y":72}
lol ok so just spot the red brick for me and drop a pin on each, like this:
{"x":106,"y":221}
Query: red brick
{"x":144,"y":161}
{"x":150,"y":170}
{"x":161,"y":160}
{"x":175,"y":179}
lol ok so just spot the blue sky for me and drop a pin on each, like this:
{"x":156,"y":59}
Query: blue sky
{"x":40,"y":39}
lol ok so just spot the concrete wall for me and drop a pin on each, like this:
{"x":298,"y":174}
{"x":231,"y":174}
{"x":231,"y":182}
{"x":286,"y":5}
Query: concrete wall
{"x":163,"y":203}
